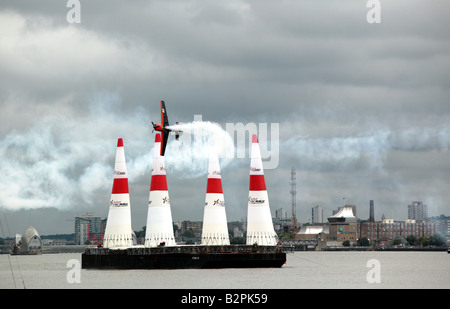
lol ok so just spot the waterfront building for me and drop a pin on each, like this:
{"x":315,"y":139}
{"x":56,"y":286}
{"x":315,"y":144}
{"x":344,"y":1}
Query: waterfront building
{"x":343,"y":225}
{"x":28,"y":244}
{"x":281,"y":214}
{"x":89,"y":228}
{"x":417,"y":211}
{"x":237,"y":232}
{"x":390,"y":229}
{"x":442,"y":224}
{"x":317,"y":214}
{"x":195,"y":226}
{"x":281,"y":220}
{"x":313,"y":232}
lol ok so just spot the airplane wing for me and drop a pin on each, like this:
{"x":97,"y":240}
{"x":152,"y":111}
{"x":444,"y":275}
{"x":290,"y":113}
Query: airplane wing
{"x":164,"y":119}
{"x":164,"y":123}
{"x":164,"y":137}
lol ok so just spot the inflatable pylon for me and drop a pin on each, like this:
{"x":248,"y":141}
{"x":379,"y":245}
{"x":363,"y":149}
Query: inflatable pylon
{"x":159,"y":229}
{"x":118,"y":231}
{"x":259,"y":219}
{"x":215,"y":228}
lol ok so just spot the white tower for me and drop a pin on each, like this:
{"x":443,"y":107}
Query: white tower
{"x":118,"y":231}
{"x":215,"y":228}
{"x":159,"y":217}
{"x":259,"y":219}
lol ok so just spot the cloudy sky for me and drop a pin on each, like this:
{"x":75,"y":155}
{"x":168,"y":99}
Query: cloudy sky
{"x":360,"y":110}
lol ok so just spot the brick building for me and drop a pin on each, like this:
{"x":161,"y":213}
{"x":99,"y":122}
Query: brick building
{"x":390,"y":229}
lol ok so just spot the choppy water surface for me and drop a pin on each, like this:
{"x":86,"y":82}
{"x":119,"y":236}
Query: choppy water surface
{"x":303,"y":270}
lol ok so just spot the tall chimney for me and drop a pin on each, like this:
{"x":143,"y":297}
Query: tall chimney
{"x":371,"y":216}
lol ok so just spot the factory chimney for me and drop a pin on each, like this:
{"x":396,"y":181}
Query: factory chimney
{"x":371,"y":212}
{"x":215,"y":229}
{"x":259,"y":219}
{"x":118,"y":231}
{"x":159,"y":228}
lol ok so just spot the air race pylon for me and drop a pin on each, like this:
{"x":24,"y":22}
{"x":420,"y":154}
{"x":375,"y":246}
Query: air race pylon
{"x":259,"y":219}
{"x":159,"y":218}
{"x":118,"y":231}
{"x":215,"y":229}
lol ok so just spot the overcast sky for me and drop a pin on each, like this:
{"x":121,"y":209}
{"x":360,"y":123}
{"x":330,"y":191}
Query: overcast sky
{"x":362,"y":110}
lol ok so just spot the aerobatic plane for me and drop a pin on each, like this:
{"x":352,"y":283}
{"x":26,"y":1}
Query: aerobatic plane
{"x":163,"y":128}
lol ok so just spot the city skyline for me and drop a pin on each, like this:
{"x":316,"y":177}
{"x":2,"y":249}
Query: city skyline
{"x":282,"y":214}
{"x":359,"y":109}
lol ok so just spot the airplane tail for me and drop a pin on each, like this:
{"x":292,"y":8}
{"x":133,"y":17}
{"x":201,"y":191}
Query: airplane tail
{"x":177,"y":133}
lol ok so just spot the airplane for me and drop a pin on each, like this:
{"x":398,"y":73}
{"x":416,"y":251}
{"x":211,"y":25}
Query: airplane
{"x":163,"y":128}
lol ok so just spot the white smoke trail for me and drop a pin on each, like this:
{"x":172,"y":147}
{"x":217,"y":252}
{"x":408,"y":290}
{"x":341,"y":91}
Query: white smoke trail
{"x":340,"y":149}
{"x":59,"y":162}
{"x":65,"y":162}
{"x":373,"y":146}
{"x":188,"y":156}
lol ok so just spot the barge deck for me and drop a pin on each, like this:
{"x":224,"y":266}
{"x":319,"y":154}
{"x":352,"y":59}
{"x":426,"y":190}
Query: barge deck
{"x":180,"y":257}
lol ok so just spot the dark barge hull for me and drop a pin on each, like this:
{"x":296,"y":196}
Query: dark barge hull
{"x":181,"y":257}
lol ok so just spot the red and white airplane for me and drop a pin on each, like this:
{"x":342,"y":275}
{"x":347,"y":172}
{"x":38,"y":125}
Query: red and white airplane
{"x":163,"y":128}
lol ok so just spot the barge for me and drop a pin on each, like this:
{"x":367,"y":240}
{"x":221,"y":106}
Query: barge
{"x":182,"y":257}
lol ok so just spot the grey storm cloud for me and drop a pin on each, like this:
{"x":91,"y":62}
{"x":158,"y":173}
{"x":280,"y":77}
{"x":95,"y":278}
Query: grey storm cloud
{"x":363,"y":109}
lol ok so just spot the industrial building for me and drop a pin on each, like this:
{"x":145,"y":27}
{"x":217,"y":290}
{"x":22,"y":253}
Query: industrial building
{"x":343,"y":226}
{"x":390,"y":229}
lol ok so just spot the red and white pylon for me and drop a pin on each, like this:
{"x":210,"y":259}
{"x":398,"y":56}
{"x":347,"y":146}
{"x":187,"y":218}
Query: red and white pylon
{"x":159,"y":218}
{"x":215,"y":228}
{"x":118,"y":231}
{"x":259,"y":219}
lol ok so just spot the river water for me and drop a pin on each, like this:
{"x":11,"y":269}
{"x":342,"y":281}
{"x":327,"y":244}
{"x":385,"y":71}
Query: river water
{"x":303,"y":270}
